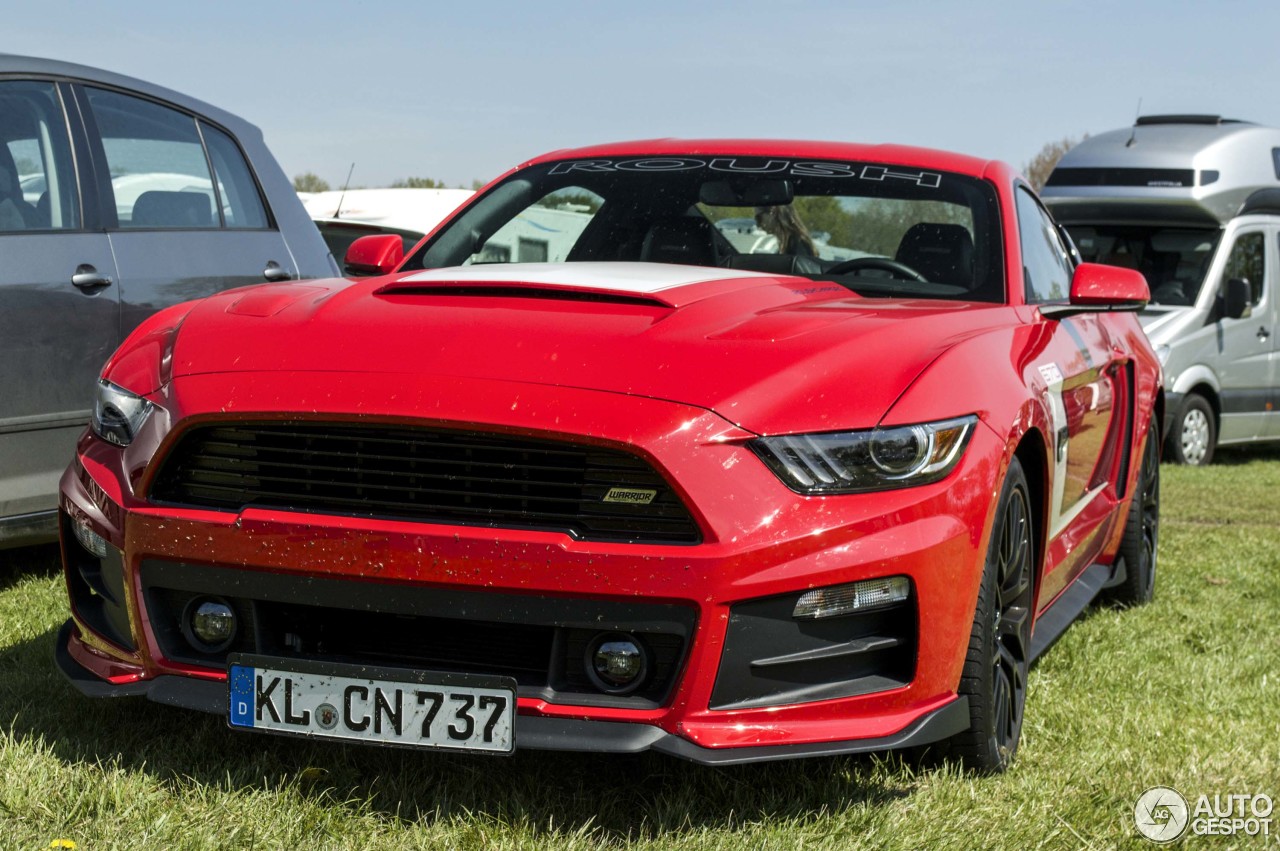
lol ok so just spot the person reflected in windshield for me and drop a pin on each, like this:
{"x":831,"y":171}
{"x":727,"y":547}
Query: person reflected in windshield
{"x":784,"y":223}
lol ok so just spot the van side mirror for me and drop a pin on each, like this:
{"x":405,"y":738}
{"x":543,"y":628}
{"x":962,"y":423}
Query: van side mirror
{"x":376,"y":254}
{"x":1237,"y":297}
{"x":1096,"y":288}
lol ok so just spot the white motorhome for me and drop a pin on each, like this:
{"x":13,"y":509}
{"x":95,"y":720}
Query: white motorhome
{"x":1193,"y":202}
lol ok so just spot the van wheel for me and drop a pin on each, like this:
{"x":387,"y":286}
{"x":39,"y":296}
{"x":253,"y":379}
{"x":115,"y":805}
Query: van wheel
{"x":1194,"y":432}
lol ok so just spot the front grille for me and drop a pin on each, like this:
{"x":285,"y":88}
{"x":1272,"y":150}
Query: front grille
{"x":432,"y":475}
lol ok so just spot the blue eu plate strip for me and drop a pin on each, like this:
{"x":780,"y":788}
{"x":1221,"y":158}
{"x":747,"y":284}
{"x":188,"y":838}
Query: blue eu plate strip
{"x":242,"y":695}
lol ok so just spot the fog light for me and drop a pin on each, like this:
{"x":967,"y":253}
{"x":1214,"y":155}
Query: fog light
{"x":616,"y":663}
{"x":855,"y":597}
{"x":89,"y":539}
{"x":209,"y":624}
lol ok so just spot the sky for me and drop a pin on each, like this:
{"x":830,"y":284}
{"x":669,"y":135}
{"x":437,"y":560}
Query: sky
{"x":463,"y":91}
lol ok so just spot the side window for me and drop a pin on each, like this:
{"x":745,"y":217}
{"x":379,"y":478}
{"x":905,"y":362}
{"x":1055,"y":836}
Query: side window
{"x":241,"y":202}
{"x":1046,"y":265}
{"x":545,"y":231}
{"x":159,"y":172}
{"x":1248,"y":260}
{"x":38,"y":188}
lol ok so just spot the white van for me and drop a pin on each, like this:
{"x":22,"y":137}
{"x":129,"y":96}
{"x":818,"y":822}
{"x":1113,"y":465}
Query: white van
{"x":1193,"y":202}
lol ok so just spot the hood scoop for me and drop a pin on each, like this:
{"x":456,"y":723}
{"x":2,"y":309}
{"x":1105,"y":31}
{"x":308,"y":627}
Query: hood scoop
{"x":649,"y":284}
{"x":505,"y":290}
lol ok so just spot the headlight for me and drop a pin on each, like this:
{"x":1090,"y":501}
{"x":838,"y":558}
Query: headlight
{"x":118,"y":414}
{"x":1162,"y":354}
{"x":853,"y":461}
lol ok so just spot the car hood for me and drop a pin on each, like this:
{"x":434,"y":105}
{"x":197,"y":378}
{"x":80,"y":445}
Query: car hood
{"x":771,"y":354}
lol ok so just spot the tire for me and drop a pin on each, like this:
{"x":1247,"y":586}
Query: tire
{"x":1194,"y":432}
{"x":994,"y":678}
{"x":1138,"y":547}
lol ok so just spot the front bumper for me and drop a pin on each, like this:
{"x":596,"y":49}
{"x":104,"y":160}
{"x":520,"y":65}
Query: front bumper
{"x":762,"y":546}
{"x":543,"y":733}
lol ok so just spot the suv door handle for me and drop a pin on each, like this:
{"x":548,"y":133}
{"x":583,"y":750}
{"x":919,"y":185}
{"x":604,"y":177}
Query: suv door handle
{"x":89,"y":279}
{"x":1263,"y":333}
{"x":275,"y":272}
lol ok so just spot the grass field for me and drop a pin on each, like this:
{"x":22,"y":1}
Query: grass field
{"x":1185,"y":693}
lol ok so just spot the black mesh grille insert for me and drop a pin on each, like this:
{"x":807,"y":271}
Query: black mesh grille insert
{"x":425,"y":474}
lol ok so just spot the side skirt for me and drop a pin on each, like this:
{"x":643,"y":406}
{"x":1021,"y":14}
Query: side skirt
{"x":1070,"y":603}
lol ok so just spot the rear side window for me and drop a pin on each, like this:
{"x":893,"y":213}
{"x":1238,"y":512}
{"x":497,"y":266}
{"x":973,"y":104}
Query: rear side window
{"x":241,"y":203}
{"x":160,"y":161}
{"x":38,"y":188}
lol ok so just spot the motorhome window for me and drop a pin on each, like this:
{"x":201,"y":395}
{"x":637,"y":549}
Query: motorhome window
{"x":37,"y":182}
{"x":1275,"y":161}
{"x":1156,"y":177}
{"x":1046,"y":266}
{"x":880,"y":230}
{"x":1173,"y":260}
{"x":1248,"y":260}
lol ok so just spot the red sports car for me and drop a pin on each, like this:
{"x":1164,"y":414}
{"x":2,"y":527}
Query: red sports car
{"x":734,"y":450}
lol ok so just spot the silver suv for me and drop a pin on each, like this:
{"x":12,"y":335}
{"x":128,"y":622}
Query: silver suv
{"x":117,"y":198}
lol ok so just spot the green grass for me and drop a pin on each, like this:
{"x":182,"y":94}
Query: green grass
{"x":1184,"y":692}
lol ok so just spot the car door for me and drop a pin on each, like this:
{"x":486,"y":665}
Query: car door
{"x":1268,"y":322}
{"x":59,"y":308}
{"x":1241,"y":350}
{"x":1082,"y":386}
{"x":186,"y":216}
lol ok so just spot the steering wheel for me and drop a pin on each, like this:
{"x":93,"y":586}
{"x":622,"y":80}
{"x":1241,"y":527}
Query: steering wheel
{"x":893,"y":267}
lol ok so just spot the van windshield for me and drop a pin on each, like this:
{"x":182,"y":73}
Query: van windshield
{"x":1174,"y":260}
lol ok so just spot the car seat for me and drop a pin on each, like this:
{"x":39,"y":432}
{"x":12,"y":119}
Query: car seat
{"x":683,"y":239}
{"x":942,"y":253}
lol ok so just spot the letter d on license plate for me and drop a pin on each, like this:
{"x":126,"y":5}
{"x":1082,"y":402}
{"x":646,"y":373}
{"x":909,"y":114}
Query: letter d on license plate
{"x":390,"y":706}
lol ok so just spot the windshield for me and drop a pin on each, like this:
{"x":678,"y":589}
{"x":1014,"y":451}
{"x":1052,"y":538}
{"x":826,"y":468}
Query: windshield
{"x":1173,"y":260}
{"x":880,"y":230}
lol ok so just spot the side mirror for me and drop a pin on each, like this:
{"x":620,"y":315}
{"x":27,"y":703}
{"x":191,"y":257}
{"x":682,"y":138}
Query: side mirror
{"x":1237,"y":297}
{"x":376,"y":254}
{"x":1096,"y":288}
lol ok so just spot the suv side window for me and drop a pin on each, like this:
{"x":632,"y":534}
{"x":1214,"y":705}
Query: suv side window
{"x":159,"y":172}
{"x":38,"y":189}
{"x":1046,"y":264}
{"x":1248,"y":260}
{"x":241,"y":203}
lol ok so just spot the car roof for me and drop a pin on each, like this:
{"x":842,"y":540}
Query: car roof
{"x":899,"y":154}
{"x":12,"y":64}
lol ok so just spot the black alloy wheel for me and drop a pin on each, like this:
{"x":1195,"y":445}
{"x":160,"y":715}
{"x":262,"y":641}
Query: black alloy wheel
{"x":995,"y":671}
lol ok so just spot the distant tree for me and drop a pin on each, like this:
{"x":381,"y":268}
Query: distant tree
{"x":1037,"y":170}
{"x":418,"y":183}
{"x":309,"y":182}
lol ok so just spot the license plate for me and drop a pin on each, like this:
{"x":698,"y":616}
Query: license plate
{"x":421,"y":709}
